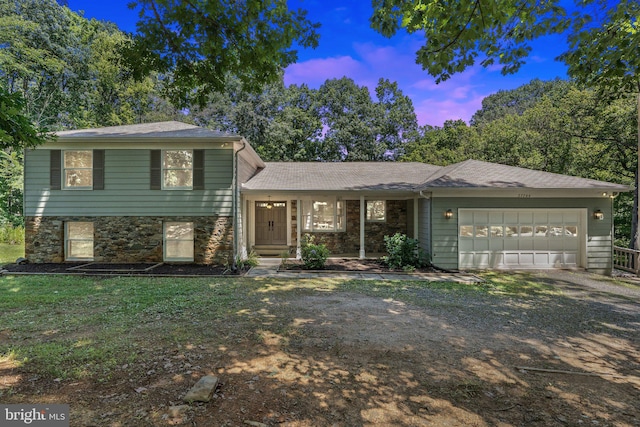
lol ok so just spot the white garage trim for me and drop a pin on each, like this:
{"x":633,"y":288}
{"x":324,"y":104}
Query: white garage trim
{"x":521,"y":238}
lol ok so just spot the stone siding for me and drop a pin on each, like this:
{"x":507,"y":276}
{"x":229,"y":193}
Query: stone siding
{"x":129,"y":239}
{"x":348,"y":241}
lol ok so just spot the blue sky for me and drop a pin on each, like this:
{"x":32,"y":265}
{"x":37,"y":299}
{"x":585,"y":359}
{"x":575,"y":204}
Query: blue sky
{"x":349,"y":47}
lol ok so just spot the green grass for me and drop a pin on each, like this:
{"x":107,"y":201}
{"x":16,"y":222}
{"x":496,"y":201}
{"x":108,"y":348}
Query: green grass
{"x":73,"y":327}
{"x":10,"y":253}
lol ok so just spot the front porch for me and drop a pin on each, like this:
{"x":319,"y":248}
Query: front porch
{"x":276,"y":224}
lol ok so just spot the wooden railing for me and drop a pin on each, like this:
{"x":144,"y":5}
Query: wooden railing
{"x":626,"y":259}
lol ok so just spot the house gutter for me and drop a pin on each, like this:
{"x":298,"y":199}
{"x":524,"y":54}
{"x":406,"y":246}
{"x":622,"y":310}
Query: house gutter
{"x":234,"y":266}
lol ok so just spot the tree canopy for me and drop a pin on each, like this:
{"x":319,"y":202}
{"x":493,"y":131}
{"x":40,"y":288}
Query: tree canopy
{"x":201,"y":42}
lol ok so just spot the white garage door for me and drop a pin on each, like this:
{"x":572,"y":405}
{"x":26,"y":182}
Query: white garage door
{"x":534,"y":238}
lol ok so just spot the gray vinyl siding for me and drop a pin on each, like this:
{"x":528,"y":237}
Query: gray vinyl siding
{"x":444,"y":244}
{"x":245,"y":169}
{"x":424,"y":221}
{"x":127,"y":188}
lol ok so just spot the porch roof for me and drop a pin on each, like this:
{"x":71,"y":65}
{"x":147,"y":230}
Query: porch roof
{"x":347,"y":176}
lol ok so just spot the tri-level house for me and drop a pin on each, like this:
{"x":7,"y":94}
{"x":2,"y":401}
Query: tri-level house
{"x":173,"y":192}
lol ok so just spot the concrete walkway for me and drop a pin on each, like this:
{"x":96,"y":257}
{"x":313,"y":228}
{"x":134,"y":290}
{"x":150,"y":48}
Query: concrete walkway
{"x":268,"y":267}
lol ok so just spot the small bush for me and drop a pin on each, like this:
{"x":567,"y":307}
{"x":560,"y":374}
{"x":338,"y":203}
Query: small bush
{"x":314,"y":256}
{"x":12,"y":235}
{"x":403,"y":253}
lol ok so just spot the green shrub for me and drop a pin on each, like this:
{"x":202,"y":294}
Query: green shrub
{"x":12,"y":235}
{"x":403,"y":253}
{"x":314,"y":256}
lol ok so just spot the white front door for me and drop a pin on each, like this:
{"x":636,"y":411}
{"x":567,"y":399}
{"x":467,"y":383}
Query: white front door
{"x":532,"y":238}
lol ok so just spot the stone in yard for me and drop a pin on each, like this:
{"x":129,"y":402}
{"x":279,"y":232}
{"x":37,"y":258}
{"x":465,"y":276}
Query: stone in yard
{"x":202,"y":390}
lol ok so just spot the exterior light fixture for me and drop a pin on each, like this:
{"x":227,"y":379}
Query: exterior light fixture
{"x":448,"y":214}
{"x":269,"y":204}
{"x":598,"y":215}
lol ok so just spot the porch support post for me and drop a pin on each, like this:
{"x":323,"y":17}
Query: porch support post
{"x":416,"y":222}
{"x":362,"y":217}
{"x":298,"y":229}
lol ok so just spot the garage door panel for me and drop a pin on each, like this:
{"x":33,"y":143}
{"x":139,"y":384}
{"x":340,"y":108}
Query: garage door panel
{"x":496,"y":244}
{"x":511,"y":258}
{"x":466,"y":245}
{"x":525,"y":244}
{"x":481,"y":245}
{"x":496,"y":218}
{"x":541,"y":258}
{"x":555,"y":217}
{"x":481,"y":217}
{"x":540,"y":244}
{"x":520,"y":238}
{"x":540,"y":217}
{"x":511,"y":217}
{"x":510,"y":244}
{"x":526,"y":258}
{"x":482,"y":259}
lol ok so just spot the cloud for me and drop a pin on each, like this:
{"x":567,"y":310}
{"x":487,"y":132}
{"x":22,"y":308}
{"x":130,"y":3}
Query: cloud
{"x":456,"y":98}
{"x":435,"y":111}
{"x":315,"y":72}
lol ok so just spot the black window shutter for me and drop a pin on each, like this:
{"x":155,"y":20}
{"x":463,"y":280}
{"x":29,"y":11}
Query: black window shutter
{"x":55,"y":172}
{"x":98,"y":169}
{"x":156,"y":170}
{"x":198,"y":169}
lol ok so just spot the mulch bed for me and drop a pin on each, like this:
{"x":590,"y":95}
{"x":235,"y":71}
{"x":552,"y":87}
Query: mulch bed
{"x":351,"y":264}
{"x":159,"y":269}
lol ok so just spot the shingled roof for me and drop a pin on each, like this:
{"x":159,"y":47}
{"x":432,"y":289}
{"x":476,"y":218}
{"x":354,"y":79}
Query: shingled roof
{"x":310,"y":176}
{"x":171,"y":129}
{"x":411,"y":176}
{"x":478,"y":174}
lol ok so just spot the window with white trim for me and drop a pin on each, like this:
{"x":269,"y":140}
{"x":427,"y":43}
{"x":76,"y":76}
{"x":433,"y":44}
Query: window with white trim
{"x":78,"y":241}
{"x":78,"y":169}
{"x":178,"y":240}
{"x":323,"y":215}
{"x":177,"y":169}
{"x":376,"y":211}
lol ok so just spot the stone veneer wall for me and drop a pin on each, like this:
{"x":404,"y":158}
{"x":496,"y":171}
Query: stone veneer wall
{"x":129,"y":239}
{"x":348,"y":242}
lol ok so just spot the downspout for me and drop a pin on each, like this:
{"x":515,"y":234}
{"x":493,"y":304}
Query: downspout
{"x":234,"y":265}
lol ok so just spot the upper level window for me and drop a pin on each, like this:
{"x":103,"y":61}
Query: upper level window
{"x":376,"y":210}
{"x":177,"y":169}
{"x":78,"y":169}
{"x":323,"y":215}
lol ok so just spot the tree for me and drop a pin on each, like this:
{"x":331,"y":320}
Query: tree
{"x":199,"y":43}
{"x":602,"y":52}
{"x":516,"y":101}
{"x":361,"y":129}
{"x":452,"y":143}
{"x":16,"y":130}
{"x":605,"y":56}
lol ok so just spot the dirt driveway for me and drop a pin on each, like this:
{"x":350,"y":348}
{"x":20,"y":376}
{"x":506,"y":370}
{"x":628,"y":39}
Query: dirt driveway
{"x":449,"y":359}
{"x":314,"y":354}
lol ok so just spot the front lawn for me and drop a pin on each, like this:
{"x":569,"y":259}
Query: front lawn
{"x":124,"y":351}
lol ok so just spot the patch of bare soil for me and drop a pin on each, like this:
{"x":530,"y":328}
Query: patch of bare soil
{"x":347,"y":359}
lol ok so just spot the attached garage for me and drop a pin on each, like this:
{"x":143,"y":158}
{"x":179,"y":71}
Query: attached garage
{"x":521,"y":238}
